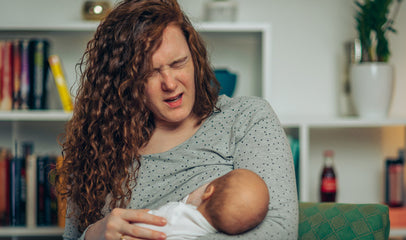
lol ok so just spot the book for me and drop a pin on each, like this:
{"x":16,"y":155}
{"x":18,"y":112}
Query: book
{"x":1,"y":68}
{"x":51,"y":204}
{"x":31,"y":172}
{"x":17,"y":213}
{"x":38,"y":73}
{"x":6,"y":95}
{"x":16,"y":74}
{"x":41,"y":190}
{"x":4,"y":187}
{"x":60,"y":81}
{"x":47,"y":212}
{"x":25,"y":74}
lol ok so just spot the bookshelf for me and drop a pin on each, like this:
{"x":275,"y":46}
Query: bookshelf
{"x":241,"y":47}
{"x":360,"y":146}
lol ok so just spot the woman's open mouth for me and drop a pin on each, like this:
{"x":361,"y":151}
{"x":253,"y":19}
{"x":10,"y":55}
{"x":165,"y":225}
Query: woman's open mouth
{"x":174,"y":101}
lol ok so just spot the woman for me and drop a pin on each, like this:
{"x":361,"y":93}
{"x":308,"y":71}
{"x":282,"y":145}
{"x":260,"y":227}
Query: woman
{"x":149,"y":128}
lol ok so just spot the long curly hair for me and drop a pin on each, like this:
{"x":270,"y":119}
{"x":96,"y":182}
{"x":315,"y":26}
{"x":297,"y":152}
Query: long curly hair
{"x":111,"y":122}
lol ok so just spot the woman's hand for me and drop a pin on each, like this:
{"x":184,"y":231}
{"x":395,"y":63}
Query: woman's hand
{"x":118,"y":225}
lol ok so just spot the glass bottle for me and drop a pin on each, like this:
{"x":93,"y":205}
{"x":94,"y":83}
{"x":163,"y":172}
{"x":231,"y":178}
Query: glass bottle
{"x":328,"y":184}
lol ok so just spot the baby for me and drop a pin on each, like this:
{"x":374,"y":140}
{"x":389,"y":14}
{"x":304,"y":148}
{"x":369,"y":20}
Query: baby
{"x":233,"y":204}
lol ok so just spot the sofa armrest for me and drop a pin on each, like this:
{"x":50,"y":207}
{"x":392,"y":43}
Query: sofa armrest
{"x":343,"y":221}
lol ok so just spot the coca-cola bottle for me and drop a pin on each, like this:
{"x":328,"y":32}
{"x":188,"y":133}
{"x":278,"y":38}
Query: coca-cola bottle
{"x":328,"y":184}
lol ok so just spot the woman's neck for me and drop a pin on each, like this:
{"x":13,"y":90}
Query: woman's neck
{"x":167,"y":136}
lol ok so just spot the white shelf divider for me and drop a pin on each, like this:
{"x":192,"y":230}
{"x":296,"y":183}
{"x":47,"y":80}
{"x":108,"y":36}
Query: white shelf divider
{"x":35,"y":115}
{"x":30,"y":232}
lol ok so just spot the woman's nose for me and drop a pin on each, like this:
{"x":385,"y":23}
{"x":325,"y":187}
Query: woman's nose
{"x":169,"y":82}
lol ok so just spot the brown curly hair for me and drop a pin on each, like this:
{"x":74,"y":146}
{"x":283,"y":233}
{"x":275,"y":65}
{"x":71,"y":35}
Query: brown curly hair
{"x":111,"y":122}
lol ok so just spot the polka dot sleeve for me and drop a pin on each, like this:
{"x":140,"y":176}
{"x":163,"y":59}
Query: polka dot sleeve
{"x":261,"y":146}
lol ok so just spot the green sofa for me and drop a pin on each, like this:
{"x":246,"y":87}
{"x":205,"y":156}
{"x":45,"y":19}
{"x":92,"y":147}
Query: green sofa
{"x":343,"y":221}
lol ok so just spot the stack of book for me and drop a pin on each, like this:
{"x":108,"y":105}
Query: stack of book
{"x":24,"y":73}
{"x":27,"y":193}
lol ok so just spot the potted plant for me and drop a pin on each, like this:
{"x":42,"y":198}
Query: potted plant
{"x":372,"y":75}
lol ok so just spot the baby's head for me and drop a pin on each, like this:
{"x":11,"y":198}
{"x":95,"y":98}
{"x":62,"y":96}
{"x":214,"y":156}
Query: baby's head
{"x":235,"y":202}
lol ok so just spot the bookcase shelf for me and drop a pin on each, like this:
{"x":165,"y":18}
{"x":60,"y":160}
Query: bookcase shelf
{"x":35,"y":115}
{"x":91,"y":26}
{"x":360,"y":146}
{"x":30,"y":232}
{"x":339,"y":122}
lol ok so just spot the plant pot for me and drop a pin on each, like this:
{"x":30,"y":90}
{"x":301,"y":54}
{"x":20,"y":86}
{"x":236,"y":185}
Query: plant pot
{"x":372,"y":88}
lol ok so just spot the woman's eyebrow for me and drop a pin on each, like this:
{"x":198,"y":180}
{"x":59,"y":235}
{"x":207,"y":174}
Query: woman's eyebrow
{"x":179,"y":60}
{"x":174,"y":62}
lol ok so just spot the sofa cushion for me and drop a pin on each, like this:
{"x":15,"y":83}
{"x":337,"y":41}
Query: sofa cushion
{"x":343,"y":221}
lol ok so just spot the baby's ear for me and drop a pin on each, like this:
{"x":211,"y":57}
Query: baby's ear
{"x":208,"y":192}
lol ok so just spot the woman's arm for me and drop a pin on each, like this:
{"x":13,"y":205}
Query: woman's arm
{"x":118,"y":223}
{"x":261,"y":146}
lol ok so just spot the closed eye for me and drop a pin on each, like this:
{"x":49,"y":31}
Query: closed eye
{"x":179,"y":63}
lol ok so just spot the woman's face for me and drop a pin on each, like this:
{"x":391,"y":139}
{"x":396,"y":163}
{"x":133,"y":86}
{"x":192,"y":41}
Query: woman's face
{"x":170,"y":91}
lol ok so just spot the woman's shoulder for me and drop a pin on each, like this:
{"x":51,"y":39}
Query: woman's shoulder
{"x":243,"y":104}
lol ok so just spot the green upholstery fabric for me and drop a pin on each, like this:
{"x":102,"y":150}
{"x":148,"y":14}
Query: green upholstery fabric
{"x":343,"y":221}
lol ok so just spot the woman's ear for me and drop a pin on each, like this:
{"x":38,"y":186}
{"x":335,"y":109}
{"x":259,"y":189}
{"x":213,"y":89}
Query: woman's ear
{"x":208,"y":192}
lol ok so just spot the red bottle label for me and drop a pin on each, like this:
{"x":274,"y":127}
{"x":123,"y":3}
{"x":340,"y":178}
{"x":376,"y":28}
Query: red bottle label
{"x":328,"y":185}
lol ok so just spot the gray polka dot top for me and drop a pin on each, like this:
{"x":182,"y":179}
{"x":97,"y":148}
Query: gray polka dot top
{"x":245,"y":133}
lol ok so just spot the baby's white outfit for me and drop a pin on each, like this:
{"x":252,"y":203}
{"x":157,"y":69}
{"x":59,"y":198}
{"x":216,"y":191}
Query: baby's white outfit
{"x":184,"y":221}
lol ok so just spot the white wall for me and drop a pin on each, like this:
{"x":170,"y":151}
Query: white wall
{"x":308,"y":58}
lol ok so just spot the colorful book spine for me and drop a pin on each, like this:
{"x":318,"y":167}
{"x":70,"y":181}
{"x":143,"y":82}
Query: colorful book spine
{"x":4,"y":187}
{"x":25,"y":74}
{"x":61,"y":84}
{"x":31,"y":171}
{"x":41,"y":190}
{"x":47,"y":205}
{"x":1,"y":69}
{"x":51,"y":205}
{"x":17,"y":74}
{"x":6,"y":95}
{"x":39,"y":73}
{"x":16,"y":212}
{"x":27,"y":190}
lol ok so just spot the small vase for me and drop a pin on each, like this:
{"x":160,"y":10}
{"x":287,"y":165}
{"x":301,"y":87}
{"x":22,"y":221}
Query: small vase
{"x":372,"y":88}
{"x":227,"y":81}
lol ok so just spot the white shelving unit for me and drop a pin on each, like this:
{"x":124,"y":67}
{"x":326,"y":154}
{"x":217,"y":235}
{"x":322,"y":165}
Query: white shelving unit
{"x":304,"y":127}
{"x":241,"y":47}
{"x":360,"y":150}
